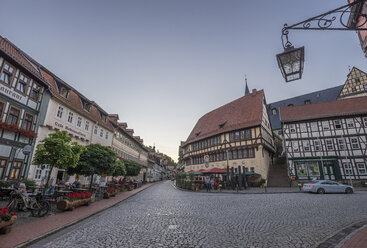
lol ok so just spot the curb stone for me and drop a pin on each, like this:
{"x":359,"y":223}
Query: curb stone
{"x":34,"y":240}
{"x":339,"y":238}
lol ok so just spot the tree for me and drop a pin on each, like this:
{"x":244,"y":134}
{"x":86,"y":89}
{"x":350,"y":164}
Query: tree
{"x":119,"y":169}
{"x":96,"y":159}
{"x":58,"y":151}
{"x":132,"y":168}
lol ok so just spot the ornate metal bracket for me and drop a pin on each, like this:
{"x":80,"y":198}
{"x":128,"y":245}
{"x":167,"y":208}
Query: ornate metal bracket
{"x":353,"y":22}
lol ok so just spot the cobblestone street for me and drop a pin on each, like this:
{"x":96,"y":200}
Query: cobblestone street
{"x":162,"y":216}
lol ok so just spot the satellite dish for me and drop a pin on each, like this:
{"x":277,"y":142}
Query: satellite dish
{"x":27,"y":149}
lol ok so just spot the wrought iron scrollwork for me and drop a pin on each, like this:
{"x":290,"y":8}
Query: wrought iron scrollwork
{"x":350,"y":18}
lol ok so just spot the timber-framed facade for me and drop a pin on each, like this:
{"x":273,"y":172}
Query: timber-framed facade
{"x":327,"y":140}
{"x":236,"y":134}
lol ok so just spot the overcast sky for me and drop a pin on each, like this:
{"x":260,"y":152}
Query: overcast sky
{"x":162,"y":64}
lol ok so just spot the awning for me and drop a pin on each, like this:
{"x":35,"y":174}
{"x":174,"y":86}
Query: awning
{"x":214,"y":171}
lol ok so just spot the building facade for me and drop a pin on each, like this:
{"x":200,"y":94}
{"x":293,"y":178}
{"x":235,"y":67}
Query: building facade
{"x":84,"y":121}
{"x":236,"y":134}
{"x":22,"y":95}
{"x":129,"y":147}
{"x":327,"y":140}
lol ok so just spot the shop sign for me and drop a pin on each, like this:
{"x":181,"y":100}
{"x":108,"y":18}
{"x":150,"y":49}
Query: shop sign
{"x":59,"y":125}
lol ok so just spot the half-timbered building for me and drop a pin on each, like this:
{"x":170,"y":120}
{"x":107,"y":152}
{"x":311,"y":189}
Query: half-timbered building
{"x":22,"y":94}
{"x":236,"y":134}
{"x":327,"y":140}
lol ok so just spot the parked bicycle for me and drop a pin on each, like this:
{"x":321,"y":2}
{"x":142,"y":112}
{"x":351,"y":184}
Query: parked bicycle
{"x":20,"y":200}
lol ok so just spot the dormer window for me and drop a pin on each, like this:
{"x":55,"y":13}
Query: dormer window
{"x":103,"y":116}
{"x":197,"y":134}
{"x":274,"y":111}
{"x":85,"y":105}
{"x":64,"y":92}
{"x":7,"y":73}
{"x":307,"y":101}
{"x":290,"y":105}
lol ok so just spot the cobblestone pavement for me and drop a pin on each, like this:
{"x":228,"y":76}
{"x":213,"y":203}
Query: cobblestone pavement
{"x":163,"y":216}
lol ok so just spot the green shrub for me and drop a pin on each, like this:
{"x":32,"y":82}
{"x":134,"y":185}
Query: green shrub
{"x":29,"y":183}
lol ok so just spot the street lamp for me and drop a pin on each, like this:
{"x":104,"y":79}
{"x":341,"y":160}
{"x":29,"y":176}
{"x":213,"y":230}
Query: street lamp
{"x":291,"y":60}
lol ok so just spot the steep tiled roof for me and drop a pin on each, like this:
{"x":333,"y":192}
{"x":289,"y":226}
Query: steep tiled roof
{"x":314,"y":97}
{"x":73,"y":101}
{"x":19,"y":57}
{"x":241,"y":113}
{"x":342,"y":107}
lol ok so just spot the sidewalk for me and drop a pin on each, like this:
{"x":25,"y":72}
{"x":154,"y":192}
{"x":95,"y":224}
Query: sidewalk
{"x":27,"y":233}
{"x":257,"y":190}
{"x":358,"y":240}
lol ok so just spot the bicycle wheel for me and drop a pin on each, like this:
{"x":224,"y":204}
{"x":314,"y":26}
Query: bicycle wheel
{"x":40,"y":208}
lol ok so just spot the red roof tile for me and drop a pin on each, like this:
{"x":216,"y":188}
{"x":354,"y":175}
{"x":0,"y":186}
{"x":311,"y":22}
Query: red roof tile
{"x":341,"y":107}
{"x":73,"y":101}
{"x":13,"y":52}
{"x":241,"y":113}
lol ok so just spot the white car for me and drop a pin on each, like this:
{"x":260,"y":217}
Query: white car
{"x":327,"y":186}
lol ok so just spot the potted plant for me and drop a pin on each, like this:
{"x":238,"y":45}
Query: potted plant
{"x":74,"y":200}
{"x":6,"y":220}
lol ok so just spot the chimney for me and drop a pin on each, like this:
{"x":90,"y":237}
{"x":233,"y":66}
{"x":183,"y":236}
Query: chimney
{"x":253,"y":91}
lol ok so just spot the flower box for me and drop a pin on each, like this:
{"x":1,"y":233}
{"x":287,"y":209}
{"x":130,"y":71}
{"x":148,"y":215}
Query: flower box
{"x":5,"y":225}
{"x":66,"y":204}
{"x":110,"y":192}
{"x":74,"y":200}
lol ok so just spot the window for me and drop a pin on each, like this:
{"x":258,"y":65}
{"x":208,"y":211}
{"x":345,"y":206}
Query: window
{"x":365,"y":121}
{"x":237,"y":135}
{"x":22,"y":83}
{"x":95,"y":130}
{"x":325,"y":125}
{"x":79,"y":122}
{"x":234,"y":154}
{"x":329,"y":145}
{"x":354,"y":89}
{"x":303,"y":127}
{"x":35,"y":91}
{"x":251,"y":153}
{"x":16,"y":169}
{"x":337,"y":124}
{"x":306,"y":145}
{"x":47,"y":171}
{"x":231,"y":136}
{"x":101,"y":133}
{"x":317,"y":145}
{"x":307,"y":101}
{"x":7,"y":73}
{"x":292,"y":128}
{"x":27,"y":122}
{"x":245,"y":153}
{"x":290,"y":105}
{"x":60,"y":112}
{"x":38,"y":173}
{"x":354,"y":142}
{"x":280,"y":132}
{"x":274,"y":111}
{"x":314,"y":126}
{"x":13,"y":116}
{"x":239,"y":154}
{"x":348,"y":168}
{"x":361,"y":168}
{"x":71,"y":118}
{"x":230,"y":155}
{"x":3,"y":164}
{"x":341,"y":144}
{"x":248,"y":134}
{"x":350,"y":123}
{"x":365,"y":87}
{"x":86,"y":126}
{"x":106,"y":135}
{"x":252,"y":169}
{"x":295,"y":146}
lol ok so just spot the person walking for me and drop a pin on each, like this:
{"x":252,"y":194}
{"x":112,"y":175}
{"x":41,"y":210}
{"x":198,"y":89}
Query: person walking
{"x":207,"y":183}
